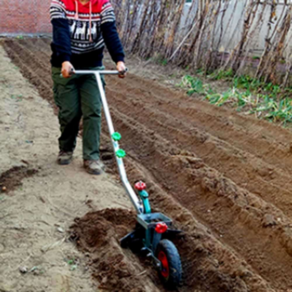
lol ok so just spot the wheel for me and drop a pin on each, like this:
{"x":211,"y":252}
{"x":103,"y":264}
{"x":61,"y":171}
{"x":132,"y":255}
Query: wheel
{"x":171,"y":270}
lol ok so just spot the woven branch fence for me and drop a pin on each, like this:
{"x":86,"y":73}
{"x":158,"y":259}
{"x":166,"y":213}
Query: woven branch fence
{"x":212,"y":34}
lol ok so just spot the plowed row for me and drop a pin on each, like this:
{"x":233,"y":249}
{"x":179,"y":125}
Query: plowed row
{"x":224,"y":178}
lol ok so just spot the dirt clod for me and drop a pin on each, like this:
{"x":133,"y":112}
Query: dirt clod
{"x":98,"y":234}
{"x":269,"y":220}
{"x":11,"y":179}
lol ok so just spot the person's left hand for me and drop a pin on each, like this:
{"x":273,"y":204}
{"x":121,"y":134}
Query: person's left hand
{"x":121,"y":67}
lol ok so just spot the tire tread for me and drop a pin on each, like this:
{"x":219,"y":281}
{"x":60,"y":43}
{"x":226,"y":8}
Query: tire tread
{"x":175,"y":267}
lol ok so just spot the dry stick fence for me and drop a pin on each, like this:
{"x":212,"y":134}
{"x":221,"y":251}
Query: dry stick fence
{"x":204,"y":36}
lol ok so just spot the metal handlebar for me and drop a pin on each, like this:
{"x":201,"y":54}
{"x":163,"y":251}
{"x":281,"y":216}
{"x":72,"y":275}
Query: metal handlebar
{"x":101,"y":72}
{"x":131,"y":193}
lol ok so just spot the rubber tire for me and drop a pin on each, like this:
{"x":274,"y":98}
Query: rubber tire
{"x":175,"y":269}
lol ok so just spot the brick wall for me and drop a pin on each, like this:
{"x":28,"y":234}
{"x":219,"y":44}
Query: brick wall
{"x":24,"y":16}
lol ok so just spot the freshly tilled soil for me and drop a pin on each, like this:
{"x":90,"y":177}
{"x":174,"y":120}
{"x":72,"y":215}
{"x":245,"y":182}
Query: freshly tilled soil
{"x":224,"y":178}
{"x":98,"y":234}
{"x":11,"y":179}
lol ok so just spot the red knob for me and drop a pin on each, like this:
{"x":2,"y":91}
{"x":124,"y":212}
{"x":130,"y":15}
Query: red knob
{"x":140,"y":186}
{"x":161,"y":227}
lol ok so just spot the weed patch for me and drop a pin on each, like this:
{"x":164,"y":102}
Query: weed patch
{"x":252,"y":96}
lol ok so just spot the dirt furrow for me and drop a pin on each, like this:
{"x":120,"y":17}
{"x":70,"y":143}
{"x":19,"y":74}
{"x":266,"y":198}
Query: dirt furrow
{"x":40,"y":64}
{"x":272,"y":143}
{"x":38,"y":47}
{"x":206,"y":260}
{"x":230,"y":212}
{"x":245,"y":169}
{"x":29,"y":67}
{"x":224,"y":178}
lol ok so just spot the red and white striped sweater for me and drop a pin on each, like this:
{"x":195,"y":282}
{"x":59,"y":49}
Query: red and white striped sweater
{"x":80,"y":32}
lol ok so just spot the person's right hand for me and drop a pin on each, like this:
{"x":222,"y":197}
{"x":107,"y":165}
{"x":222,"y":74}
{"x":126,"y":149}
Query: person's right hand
{"x":67,"y":69}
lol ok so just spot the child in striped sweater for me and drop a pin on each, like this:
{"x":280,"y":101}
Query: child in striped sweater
{"x":81,"y":29}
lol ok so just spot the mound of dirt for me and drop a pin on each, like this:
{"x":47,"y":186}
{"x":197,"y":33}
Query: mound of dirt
{"x":98,"y":234}
{"x":11,"y":179}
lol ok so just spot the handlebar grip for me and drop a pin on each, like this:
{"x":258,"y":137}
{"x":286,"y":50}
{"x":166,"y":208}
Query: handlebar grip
{"x":72,"y":71}
{"x":124,"y":72}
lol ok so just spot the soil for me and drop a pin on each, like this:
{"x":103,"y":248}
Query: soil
{"x":224,"y":178}
{"x":40,"y":199}
{"x":11,"y":179}
{"x":98,"y":234}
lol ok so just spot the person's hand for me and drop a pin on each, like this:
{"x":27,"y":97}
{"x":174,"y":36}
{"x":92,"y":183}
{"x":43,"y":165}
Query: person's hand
{"x":121,"y":67}
{"x":67,"y":69}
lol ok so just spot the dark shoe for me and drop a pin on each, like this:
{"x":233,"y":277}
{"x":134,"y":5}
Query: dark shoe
{"x":64,"y":158}
{"x":94,"y":166}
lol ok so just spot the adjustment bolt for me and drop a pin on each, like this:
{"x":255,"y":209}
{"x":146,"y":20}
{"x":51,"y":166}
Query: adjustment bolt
{"x":140,"y":186}
{"x":121,"y":153}
{"x":161,"y":227}
{"x":116,"y":136}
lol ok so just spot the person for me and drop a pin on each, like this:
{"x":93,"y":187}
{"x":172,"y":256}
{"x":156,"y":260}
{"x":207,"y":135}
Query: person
{"x":81,"y":29}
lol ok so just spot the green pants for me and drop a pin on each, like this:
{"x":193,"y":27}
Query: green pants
{"x":75,"y":97}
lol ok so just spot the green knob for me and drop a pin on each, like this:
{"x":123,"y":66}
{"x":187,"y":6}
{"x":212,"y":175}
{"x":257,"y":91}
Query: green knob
{"x":121,"y":153}
{"x":116,"y":136}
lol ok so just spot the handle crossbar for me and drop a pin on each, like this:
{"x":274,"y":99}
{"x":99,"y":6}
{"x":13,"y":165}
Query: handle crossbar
{"x":101,"y":72}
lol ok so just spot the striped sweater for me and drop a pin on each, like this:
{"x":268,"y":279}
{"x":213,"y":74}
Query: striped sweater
{"x":80,"y":33}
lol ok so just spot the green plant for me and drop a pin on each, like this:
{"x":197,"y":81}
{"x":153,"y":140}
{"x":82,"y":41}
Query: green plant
{"x":245,"y":95}
{"x":218,"y":75}
{"x":276,"y":112}
{"x":73,"y":263}
{"x":17,"y":97}
{"x":193,"y":84}
{"x":160,"y":60}
{"x":200,"y":71}
{"x":220,"y":99}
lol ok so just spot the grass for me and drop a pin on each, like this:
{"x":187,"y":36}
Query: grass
{"x":17,"y":97}
{"x":246,"y":94}
{"x":73,"y":263}
{"x":159,"y":59}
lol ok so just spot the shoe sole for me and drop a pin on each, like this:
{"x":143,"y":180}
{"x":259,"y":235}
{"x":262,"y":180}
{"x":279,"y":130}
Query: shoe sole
{"x":94,"y":173}
{"x":66,"y":162}
{"x":98,"y":172}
